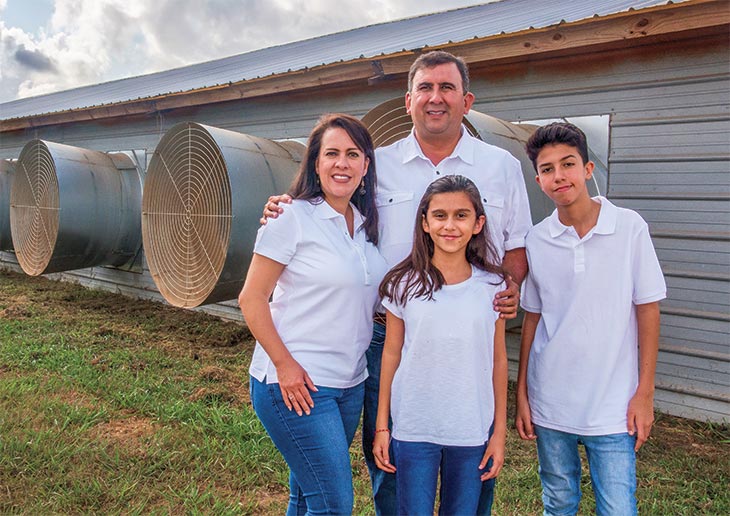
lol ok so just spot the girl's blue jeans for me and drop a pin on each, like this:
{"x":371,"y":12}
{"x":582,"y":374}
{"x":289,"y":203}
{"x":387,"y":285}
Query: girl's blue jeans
{"x":418,"y":465}
{"x":612,"y":466}
{"x":316,"y":447}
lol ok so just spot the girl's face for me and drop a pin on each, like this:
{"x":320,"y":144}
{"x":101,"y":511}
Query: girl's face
{"x":451,"y":221}
{"x":341,"y":165}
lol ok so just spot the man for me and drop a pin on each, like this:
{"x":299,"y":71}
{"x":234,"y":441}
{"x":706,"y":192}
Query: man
{"x":438,"y":97}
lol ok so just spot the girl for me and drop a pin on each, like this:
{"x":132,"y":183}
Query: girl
{"x":319,"y":260}
{"x":444,"y":371}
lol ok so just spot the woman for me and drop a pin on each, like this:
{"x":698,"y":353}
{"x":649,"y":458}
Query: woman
{"x":319,"y":260}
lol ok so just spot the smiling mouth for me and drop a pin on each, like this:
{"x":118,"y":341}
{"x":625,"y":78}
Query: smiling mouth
{"x":562,"y":188}
{"x":341,"y":177}
{"x":435,"y":113}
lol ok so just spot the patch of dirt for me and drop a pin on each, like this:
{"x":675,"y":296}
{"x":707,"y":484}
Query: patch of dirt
{"x":17,"y":308}
{"x":130,"y":433}
{"x":76,"y":399}
{"x":223,"y":385}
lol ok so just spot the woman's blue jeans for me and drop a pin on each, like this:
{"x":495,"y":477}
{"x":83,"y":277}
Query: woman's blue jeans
{"x":316,"y":447}
{"x":612,"y":465}
{"x":419,"y":464}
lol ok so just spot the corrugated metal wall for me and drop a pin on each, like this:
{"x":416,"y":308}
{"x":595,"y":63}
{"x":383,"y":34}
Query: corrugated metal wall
{"x":669,"y":160}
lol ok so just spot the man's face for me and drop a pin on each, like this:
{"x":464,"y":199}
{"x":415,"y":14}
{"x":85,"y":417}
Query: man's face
{"x":437,"y":103}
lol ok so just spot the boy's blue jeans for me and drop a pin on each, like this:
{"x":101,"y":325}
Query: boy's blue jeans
{"x":316,"y":447}
{"x":612,"y":465}
{"x":384,"y":484}
{"x":418,"y":465}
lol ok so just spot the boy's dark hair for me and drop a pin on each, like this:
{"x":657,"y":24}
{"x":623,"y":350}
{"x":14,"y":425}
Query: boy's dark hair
{"x":422,"y":279}
{"x":556,"y":133}
{"x":439,"y":57}
{"x":306,"y":184}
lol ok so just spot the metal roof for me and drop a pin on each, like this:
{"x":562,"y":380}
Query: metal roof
{"x":505,"y":16}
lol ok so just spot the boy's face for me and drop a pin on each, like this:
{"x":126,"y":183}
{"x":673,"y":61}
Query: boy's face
{"x":562,"y":175}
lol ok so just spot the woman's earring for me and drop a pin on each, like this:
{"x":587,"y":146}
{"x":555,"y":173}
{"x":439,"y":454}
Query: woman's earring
{"x":362,"y":187}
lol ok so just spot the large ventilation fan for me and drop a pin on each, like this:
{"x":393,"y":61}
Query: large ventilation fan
{"x":204,"y":192}
{"x":73,"y":208}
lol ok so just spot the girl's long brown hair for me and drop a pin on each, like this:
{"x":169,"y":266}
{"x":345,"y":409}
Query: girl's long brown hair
{"x":419,"y":276}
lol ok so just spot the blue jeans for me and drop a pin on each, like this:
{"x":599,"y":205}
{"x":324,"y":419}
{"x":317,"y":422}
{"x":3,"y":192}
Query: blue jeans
{"x":384,"y":484}
{"x":316,"y":447}
{"x":611,"y":462}
{"x":418,"y":465}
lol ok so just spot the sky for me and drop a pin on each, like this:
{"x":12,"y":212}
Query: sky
{"x":54,"y":45}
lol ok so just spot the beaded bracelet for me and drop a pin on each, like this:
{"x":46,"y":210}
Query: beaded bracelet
{"x":382,"y":430}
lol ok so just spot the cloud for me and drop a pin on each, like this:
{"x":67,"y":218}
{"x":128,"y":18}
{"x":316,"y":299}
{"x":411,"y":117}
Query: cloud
{"x":35,"y":60}
{"x":92,"y":41}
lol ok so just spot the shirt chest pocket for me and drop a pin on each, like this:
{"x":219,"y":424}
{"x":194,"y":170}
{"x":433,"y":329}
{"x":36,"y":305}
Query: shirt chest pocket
{"x":494,"y":206}
{"x":397,"y":216}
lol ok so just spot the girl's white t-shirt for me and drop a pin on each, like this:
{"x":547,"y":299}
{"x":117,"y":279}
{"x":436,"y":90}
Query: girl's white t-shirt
{"x":442,"y":391}
{"x":324,"y":300}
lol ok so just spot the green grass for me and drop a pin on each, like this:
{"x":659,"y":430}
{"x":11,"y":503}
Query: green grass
{"x":113,"y":405}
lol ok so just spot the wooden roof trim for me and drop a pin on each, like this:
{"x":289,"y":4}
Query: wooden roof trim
{"x":619,"y":29}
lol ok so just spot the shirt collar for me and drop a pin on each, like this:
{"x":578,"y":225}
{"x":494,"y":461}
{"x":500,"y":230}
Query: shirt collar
{"x":324,"y":211}
{"x":464,"y":149}
{"x":605,"y":225}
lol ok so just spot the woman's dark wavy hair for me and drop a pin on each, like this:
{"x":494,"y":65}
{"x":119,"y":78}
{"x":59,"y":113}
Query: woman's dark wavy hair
{"x":419,"y":276}
{"x":305,"y":185}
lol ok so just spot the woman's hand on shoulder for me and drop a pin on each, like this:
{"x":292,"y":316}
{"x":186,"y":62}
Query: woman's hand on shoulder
{"x":507,"y":301}
{"x":295,"y":385}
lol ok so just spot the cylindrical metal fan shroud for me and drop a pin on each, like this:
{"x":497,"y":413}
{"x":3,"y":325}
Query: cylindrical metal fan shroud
{"x":7,"y":171}
{"x":389,"y":122}
{"x":204,"y":191}
{"x":72,"y":208}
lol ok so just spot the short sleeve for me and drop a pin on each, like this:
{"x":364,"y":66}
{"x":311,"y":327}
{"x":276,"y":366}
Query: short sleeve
{"x":279,"y":238}
{"x":520,"y":221}
{"x":530,"y":295}
{"x":393,"y":306}
{"x":648,"y":284}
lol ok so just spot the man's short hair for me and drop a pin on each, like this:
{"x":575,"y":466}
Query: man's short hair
{"x":554,"y":134}
{"x":436,"y":58}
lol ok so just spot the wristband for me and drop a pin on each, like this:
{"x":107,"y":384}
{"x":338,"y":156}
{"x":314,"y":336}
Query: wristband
{"x":382,"y":430}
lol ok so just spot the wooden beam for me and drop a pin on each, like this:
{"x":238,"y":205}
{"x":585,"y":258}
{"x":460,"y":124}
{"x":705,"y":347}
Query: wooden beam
{"x":620,"y":30}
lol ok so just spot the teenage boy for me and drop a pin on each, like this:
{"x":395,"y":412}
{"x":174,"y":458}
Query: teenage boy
{"x":590,"y":335}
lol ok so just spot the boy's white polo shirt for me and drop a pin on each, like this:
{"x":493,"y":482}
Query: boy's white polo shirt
{"x":583,"y":365}
{"x":404,"y":173}
{"x":324,"y":301}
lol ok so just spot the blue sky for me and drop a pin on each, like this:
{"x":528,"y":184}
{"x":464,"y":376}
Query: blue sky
{"x":52,"y":45}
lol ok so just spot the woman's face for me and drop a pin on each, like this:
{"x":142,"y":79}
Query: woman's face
{"x":341,"y":165}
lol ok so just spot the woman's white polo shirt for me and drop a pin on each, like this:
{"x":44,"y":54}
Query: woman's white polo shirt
{"x":324,"y":300}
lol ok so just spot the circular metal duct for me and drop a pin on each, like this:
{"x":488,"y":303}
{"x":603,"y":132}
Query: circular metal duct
{"x":7,"y":170}
{"x":72,"y":208}
{"x":389,"y":122}
{"x":204,"y":191}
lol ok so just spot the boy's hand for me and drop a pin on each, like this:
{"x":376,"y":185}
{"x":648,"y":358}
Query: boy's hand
{"x":507,"y":301}
{"x":272,"y":208}
{"x":494,"y":451}
{"x":380,"y":451}
{"x":523,"y":419}
{"x":640,"y":417}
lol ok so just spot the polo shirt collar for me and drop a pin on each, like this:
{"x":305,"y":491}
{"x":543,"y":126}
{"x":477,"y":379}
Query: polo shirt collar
{"x":605,"y":225}
{"x":464,"y":149}
{"x":324,"y":211}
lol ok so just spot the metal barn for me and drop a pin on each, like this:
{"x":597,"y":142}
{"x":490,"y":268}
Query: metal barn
{"x":656,"y":71}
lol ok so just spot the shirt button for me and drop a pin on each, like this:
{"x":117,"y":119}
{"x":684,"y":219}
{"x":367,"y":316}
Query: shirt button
{"x":438,"y":173}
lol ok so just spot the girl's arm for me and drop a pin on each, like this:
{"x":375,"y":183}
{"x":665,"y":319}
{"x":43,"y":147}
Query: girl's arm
{"x":496,"y":444}
{"x":640,"y":413}
{"x":294,"y":382}
{"x":523,"y":419}
{"x":394,"y":335}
